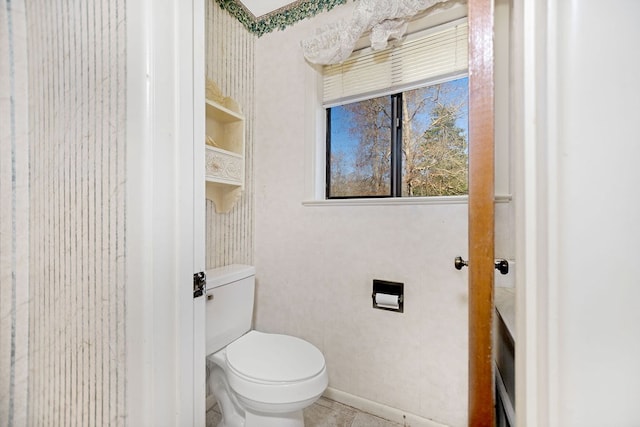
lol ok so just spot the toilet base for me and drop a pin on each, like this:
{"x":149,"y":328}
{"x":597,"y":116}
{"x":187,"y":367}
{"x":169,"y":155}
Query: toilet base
{"x":249,"y":413}
{"x":290,"y":419}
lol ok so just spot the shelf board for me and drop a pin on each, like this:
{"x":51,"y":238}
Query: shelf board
{"x":221,"y":113}
{"x":224,"y":151}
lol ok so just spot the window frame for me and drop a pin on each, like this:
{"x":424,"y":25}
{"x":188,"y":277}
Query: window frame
{"x":396,"y":144}
{"x":395,"y":161}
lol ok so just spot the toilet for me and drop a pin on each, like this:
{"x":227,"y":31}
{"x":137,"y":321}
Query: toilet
{"x":258,"y":379}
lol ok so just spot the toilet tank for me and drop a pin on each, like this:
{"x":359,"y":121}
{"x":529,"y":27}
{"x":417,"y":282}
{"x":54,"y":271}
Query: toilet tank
{"x":229,"y":304}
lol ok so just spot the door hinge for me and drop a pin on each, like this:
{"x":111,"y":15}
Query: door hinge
{"x":199,"y":284}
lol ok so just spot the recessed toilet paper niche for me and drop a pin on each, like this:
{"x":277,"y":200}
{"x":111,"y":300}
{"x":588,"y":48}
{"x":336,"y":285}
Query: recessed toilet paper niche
{"x":388,"y":295}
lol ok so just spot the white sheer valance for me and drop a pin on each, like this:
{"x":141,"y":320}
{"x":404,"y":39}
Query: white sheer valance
{"x":386,"y":19}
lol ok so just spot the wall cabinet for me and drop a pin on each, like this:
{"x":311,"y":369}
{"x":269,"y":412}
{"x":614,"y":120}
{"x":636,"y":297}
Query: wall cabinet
{"x":224,"y":153}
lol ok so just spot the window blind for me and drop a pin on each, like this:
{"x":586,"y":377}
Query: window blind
{"x":423,"y":57}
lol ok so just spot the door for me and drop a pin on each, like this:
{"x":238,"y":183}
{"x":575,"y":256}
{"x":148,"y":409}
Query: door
{"x":481,"y":212}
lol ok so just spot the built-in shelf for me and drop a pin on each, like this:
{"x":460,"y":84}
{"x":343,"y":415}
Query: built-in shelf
{"x":224,"y":161}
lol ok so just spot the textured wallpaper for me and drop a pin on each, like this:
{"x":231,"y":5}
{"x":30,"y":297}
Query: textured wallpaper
{"x":14,"y":218}
{"x":62,"y":212}
{"x":229,"y":63}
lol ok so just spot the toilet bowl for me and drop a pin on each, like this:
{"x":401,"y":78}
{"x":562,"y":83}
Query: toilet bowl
{"x":259,"y":379}
{"x":267,"y":379}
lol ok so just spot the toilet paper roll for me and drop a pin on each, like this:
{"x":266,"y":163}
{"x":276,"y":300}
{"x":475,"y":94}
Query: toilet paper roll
{"x":388,"y":301}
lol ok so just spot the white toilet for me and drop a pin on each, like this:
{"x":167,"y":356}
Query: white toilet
{"x":258,"y":379}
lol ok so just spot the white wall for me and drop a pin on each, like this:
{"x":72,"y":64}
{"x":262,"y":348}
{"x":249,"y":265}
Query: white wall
{"x":580,"y":228}
{"x":315,"y":264}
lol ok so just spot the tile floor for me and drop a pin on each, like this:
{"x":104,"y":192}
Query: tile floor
{"x":325,"y":413}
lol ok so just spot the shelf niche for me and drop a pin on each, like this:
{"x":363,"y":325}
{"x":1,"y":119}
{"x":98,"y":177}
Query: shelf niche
{"x":224,"y":150}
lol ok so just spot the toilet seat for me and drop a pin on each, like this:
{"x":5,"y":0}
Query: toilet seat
{"x":274,"y":368}
{"x":277,"y":358}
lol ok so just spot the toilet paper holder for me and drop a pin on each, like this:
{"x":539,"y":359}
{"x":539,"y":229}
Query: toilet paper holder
{"x":388,"y":295}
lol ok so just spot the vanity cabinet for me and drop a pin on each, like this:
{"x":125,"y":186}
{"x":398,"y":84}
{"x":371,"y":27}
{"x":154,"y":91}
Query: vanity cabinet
{"x":224,"y":153}
{"x":504,"y":354}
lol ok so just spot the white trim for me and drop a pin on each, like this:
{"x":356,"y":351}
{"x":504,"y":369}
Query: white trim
{"x":199,"y":209}
{"x":380,"y":410}
{"x":536,"y":202}
{"x":400,"y":201}
{"x":524,"y":174}
{"x":191,"y":393}
{"x":139,"y":315}
{"x":159,"y":224}
{"x":315,"y":153}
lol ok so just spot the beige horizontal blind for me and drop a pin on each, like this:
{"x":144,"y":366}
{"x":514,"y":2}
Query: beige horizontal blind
{"x":427,"y":56}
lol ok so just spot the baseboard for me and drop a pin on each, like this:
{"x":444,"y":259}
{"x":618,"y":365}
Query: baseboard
{"x":380,"y":410}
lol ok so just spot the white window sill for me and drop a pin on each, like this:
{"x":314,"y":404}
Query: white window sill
{"x":400,"y":201}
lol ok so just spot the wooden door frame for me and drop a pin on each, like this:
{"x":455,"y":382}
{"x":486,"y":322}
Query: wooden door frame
{"x":481,"y":212}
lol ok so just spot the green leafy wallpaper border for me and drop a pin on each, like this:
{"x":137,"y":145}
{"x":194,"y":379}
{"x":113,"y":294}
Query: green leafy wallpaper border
{"x":278,"y":19}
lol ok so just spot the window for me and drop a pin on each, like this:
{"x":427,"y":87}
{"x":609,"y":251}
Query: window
{"x":397,"y":119}
{"x":412,"y":143}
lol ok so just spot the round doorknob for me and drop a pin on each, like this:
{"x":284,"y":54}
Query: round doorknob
{"x":458,"y":263}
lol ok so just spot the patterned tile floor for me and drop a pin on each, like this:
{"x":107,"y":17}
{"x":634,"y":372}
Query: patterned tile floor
{"x":325,"y":413}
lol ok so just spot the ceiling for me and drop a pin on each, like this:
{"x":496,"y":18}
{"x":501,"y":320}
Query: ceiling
{"x":263,"y":7}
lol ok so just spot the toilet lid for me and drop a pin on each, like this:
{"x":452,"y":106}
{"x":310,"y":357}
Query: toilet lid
{"x":274,"y":357}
